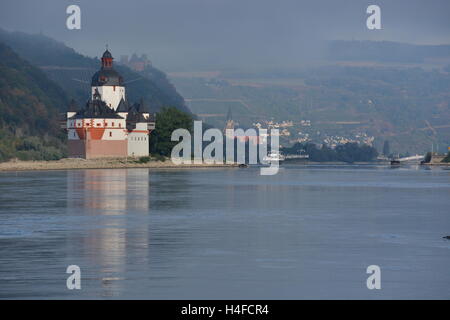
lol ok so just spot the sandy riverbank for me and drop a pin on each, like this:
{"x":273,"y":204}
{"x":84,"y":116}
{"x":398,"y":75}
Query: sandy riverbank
{"x":68,"y":164}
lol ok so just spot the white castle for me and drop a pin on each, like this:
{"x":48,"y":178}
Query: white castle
{"x":108,"y":126}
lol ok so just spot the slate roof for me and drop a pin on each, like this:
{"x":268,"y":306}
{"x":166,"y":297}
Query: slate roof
{"x":107,"y":54}
{"x":96,"y":108}
{"x":123,"y":106}
{"x":143,"y":107}
{"x":73,"y":107}
{"x":107,"y":77}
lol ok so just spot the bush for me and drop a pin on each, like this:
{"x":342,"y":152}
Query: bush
{"x":30,"y":144}
{"x":159,"y":157}
{"x":427,"y":158}
{"x":31,"y":148}
{"x":144,"y":159}
{"x":447,"y":158}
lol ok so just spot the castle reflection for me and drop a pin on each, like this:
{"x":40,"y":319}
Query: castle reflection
{"x":110,"y":195}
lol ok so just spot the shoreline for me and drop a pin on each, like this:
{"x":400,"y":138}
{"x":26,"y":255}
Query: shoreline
{"x":385,"y":163}
{"x":120,"y":163}
{"x":80,"y":164}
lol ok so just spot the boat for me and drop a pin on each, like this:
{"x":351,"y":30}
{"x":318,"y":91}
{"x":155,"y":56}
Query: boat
{"x":274,"y":156}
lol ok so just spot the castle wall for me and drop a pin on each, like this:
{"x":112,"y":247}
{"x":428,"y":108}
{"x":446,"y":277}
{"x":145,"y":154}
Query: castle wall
{"x":138,"y":141}
{"x":106,"y":149}
{"x":76,"y":149}
{"x":93,"y":149}
{"x":105,"y":129}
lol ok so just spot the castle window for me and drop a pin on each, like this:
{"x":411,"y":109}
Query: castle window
{"x":112,"y":123}
{"x":99,"y":124}
{"x":110,"y":134}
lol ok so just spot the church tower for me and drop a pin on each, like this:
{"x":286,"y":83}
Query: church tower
{"x":108,"y":82}
{"x":229,"y":123}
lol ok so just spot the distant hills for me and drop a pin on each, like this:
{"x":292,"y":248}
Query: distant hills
{"x":397,"y":100}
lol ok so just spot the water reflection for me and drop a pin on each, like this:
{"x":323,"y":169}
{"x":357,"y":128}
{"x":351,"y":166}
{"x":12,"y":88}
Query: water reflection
{"x":110,"y":195}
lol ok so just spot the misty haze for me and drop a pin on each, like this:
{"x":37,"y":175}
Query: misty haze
{"x":356,"y":92}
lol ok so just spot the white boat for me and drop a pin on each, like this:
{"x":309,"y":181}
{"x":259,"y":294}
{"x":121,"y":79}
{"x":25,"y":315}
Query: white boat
{"x":274,"y":156}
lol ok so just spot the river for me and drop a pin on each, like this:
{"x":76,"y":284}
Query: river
{"x":309,"y":232}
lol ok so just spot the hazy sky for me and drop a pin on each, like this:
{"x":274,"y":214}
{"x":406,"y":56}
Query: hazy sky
{"x":194,"y":34}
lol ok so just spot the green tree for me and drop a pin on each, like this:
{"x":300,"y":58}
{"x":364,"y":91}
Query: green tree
{"x":168,"y":120}
{"x":447,"y":158}
{"x":427,"y":158}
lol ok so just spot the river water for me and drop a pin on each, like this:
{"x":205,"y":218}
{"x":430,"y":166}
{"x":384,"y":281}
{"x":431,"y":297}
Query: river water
{"x":308,"y":232}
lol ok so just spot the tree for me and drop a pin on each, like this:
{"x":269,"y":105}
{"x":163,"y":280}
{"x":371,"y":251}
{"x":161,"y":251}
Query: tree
{"x":447,"y":158}
{"x":386,"y":148}
{"x":349,"y":152}
{"x":168,"y":120}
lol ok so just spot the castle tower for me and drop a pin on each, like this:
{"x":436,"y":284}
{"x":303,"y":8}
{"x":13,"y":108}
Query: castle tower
{"x":108,"y":82}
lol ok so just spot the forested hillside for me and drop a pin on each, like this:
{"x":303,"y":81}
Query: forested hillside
{"x":408,"y":106}
{"x":29,"y":108}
